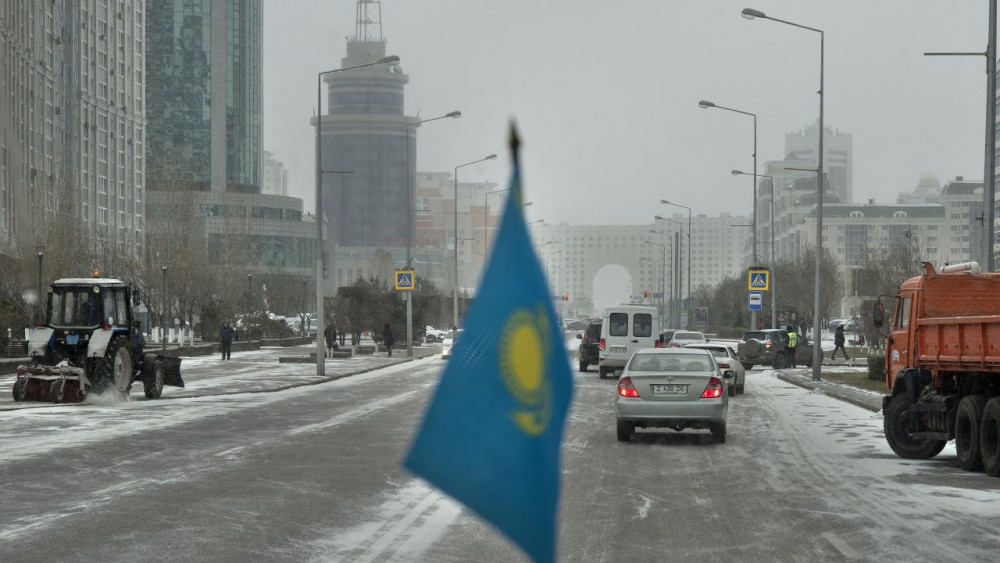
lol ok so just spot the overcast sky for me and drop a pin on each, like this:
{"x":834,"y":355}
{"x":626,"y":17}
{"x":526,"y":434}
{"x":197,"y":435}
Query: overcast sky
{"x":605,"y":93}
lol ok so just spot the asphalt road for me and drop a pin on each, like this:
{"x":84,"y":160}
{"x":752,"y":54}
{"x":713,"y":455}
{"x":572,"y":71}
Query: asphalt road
{"x":312,"y":473}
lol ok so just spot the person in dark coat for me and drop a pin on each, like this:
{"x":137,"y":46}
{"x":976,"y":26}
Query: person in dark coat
{"x":138,"y":342}
{"x":226,"y":336}
{"x":330,"y":334}
{"x":387,"y":338}
{"x":838,"y":343}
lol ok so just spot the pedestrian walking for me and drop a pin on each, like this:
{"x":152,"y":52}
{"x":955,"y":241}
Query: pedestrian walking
{"x":791,"y":345}
{"x":387,"y":338}
{"x":138,"y":341}
{"x":226,"y":335}
{"x":838,"y":343}
{"x":330,"y":334}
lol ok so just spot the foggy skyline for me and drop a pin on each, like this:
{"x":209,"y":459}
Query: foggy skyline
{"x":605,"y":95}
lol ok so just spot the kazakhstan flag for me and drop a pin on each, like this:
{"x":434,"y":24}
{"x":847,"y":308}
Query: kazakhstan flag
{"x":490,"y":437}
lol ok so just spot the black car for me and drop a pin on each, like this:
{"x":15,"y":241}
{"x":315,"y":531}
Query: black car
{"x":590,"y":345}
{"x":767,"y":348}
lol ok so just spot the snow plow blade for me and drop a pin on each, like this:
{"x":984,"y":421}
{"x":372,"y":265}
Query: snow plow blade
{"x":58,"y":384}
{"x":171,"y":371}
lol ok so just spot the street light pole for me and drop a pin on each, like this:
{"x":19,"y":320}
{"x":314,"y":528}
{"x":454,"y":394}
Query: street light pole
{"x":687,"y":308}
{"x":989,"y":177}
{"x":750,"y":14}
{"x":39,"y":314}
{"x":409,"y":226}
{"x":304,"y":314}
{"x":707,"y":104}
{"x":320,"y":250}
{"x":455,"y":285}
{"x":773,"y":282}
{"x":163,"y":312}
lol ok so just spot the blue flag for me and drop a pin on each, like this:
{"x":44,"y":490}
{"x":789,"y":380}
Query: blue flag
{"x":490,"y":437}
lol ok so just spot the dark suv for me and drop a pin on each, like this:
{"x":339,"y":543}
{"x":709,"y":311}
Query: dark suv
{"x":767,"y":348}
{"x":590,"y":345}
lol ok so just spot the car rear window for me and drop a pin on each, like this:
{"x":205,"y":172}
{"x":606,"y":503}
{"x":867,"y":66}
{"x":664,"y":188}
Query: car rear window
{"x":683,"y":335}
{"x":593,"y":333}
{"x":754,"y":335}
{"x":642,"y":325}
{"x":618,"y":324}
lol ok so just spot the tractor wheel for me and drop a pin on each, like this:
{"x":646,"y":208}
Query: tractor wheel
{"x":152,"y":384}
{"x":114,"y":371}
{"x":19,"y":390}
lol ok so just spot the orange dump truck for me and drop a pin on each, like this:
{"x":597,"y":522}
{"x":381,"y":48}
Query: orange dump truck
{"x":942,"y":359}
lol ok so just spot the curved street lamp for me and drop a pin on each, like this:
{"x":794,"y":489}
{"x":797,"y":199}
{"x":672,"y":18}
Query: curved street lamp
{"x":750,"y":13}
{"x":455,"y":285}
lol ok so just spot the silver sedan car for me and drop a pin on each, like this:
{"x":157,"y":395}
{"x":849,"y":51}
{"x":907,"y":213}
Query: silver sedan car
{"x":672,"y":388}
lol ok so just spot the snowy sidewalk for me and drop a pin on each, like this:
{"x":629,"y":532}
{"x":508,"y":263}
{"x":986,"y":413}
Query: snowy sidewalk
{"x":803,"y":378}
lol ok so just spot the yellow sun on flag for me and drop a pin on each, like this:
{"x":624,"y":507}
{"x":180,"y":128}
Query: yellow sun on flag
{"x":522,"y":354}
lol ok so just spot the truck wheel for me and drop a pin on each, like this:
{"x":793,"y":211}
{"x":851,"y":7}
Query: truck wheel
{"x":968,"y":423}
{"x":152,"y":384}
{"x":989,"y":438}
{"x":583,"y":366}
{"x":625,"y":430}
{"x":56,"y":393}
{"x":895,"y":424}
{"x":602,"y":372}
{"x":731,"y":389}
{"x":779,"y":362}
{"x":747,"y":366}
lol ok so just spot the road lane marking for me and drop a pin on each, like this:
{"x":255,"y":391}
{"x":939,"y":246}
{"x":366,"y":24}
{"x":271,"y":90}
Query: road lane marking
{"x":119,"y":487}
{"x":380,"y":545}
{"x":230,"y":451}
{"x":356,"y":413}
{"x":841,"y":546}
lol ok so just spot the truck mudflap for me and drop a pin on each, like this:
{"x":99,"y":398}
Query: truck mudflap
{"x":171,"y":371}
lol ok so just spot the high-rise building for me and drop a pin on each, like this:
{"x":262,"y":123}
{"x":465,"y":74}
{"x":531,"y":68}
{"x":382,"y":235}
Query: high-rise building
{"x":364,"y":131}
{"x":838,"y":161}
{"x":274,"y":176}
{"x":71,"y":120}
{"x":204,"y":158}
{"x":204,"y":84}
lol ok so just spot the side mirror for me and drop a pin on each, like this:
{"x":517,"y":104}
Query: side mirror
{"x":579,"y":337}
{"x":728,"y":374}
{"x":878,"y":315}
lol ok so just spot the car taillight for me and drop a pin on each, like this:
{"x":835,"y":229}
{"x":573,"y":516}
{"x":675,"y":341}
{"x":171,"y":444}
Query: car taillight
{"x":602,"y":344}
{"x":625,"y":388}
{"x":106,"y":327}
{"x":723,"y":365}
{"x":714,"y":389}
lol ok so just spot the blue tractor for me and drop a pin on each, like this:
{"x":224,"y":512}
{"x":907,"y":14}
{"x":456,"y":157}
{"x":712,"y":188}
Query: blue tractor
{"x":86,"y":345}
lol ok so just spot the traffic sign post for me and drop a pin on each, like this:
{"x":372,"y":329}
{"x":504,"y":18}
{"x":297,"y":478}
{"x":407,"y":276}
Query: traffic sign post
{"x":758,"y":279}
{"x":755,"y":300}
{"x":405,"y":280}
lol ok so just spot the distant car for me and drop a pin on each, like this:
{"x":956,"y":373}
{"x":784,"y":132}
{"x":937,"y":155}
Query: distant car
{"x":590,"y":346}
{"x":449,"y":340}
{"x":672,"y":388}
{"x":682,"y":338}
{"x":767,"y":348}
{"x":432,"y":334}
{"x":665,"y":336}
{"x":725,"y":356}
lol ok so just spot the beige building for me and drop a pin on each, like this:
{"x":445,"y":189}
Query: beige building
{"x":72,"y":123}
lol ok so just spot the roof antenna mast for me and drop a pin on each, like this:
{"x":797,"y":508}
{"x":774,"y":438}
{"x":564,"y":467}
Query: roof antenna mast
{"x":369,"y":21}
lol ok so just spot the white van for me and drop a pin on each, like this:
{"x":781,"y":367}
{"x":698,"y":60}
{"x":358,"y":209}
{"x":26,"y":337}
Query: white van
{"x":626,"y":328}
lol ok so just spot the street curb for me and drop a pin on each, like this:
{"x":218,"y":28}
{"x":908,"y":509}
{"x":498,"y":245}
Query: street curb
{"x":873,"y":404}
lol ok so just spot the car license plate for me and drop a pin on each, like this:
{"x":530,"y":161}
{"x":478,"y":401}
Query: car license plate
{"x":670,"y":389}
{"x":72,"y":339}
{"x":617,"y":348}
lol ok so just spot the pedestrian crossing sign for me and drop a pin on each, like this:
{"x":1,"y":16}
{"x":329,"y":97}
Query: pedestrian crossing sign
{"x":405,"y":280}
{"x":758,"y":279}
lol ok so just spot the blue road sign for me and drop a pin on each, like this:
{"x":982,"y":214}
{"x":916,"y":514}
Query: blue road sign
{"x":758,"y":279}
{"x":755,"y":300}
{"x":405,"y":280}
